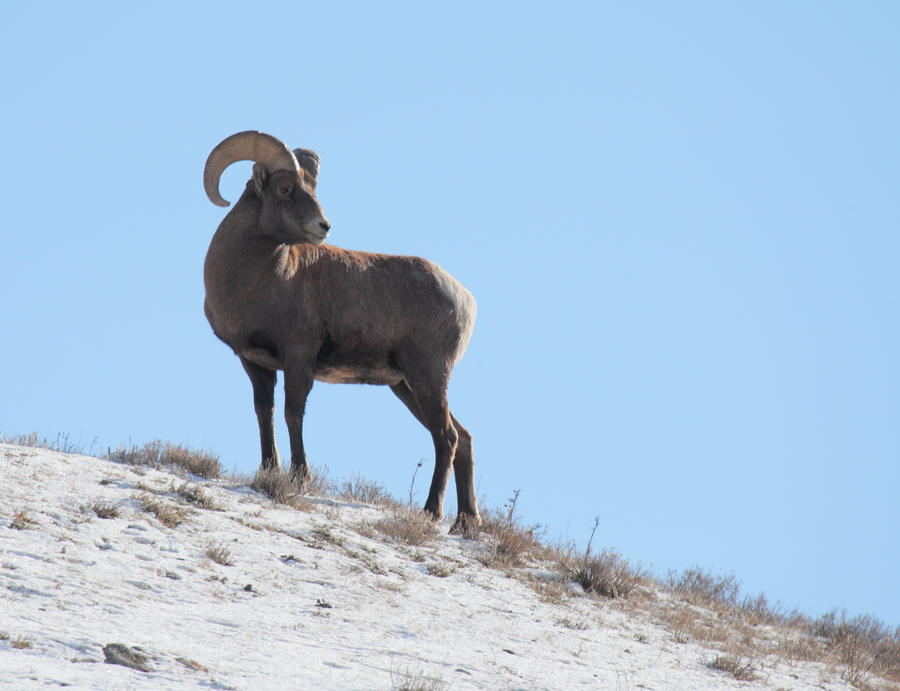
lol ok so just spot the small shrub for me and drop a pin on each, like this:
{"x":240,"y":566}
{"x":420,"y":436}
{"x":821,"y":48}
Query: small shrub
{"x":147,"y":455}
{"x":701,"y":588}
{"x":195,"y":494}
{"x":158,"y":453}
{"x":418,"y":681}
{"x":863,"y":644}
{"x":757,"y":610}
{"x":196,"y":462}
{"x":410,"y":526}
{"x":511,"y":542}
{"x":317,"y":482}
{"x":795,"y":649}
{"x":322,"y":533}
{"x":167,"y":514}
{"x":439,"y":569}
{"x":280,"y":487}
{"x":741,"y":670}
{"x":21,"y":521}
{"x":681,"y":621}
{"x":220,"y":554}
{"x":364,"y":491}
{"x":20,"y":642}
{"x":572,"y":624}
{"x":104,"y":509}
{"x":607,"y":575}
{"x":62,"y":443}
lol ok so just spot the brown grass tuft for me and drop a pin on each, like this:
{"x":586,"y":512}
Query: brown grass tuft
{"x":737,"y":667}
{"x":167,"y":514}
{"x":365,"y":491}
{"x":440,"y":569}
{"x":701,"y":588}
{"x":21,"y":521}
{"x":418,"y":681}
{"x":607,"y":574}
{"x":863,"y":644}
{"x":409,"y":526}
{"x":157,"y":454}
{"x":194,"y":494}
{"x":104,"y":509}
{"x":20,"y":642}
{"x":280,"y":487}
{"x":510,"y":543}
{"x":219,"y":553}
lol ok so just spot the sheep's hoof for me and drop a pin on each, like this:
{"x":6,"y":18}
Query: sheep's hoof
{"x":466,"y":525}
{"x":300,"y":476}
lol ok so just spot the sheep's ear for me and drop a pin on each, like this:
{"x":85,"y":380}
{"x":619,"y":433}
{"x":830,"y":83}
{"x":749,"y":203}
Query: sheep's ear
{"x":309,"y":161}
{"x":260,"y":178}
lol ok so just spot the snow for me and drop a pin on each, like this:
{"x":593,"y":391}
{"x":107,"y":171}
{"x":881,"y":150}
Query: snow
{"x":312,"y":599}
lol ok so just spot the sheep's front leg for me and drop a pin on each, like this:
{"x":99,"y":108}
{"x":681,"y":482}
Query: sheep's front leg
{"x":263,"y":381}
{"x":298,"y":380}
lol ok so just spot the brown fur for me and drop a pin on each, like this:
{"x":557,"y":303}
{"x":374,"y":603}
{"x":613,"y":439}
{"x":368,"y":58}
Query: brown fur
{"x":283,"y":301}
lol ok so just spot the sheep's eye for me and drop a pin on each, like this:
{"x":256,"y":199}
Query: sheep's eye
{"x":284,"y":191}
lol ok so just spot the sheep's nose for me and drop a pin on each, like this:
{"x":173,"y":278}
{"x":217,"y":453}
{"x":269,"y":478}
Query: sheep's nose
{"x":325,"y":225}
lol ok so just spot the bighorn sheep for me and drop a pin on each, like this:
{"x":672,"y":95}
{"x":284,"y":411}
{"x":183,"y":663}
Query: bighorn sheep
{"x":283,"y":300}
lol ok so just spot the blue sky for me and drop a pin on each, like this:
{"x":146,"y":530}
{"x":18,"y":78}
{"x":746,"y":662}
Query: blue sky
{"x":680,"y":222}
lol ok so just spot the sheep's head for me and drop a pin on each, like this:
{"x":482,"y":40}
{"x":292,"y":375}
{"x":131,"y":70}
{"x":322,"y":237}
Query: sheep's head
{"x":283,"y":180}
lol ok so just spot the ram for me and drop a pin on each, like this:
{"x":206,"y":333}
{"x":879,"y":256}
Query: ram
{"x":281,"y":299}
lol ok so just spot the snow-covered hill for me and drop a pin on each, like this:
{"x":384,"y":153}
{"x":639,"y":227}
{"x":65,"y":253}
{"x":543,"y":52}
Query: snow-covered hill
{"x":307,"y":599}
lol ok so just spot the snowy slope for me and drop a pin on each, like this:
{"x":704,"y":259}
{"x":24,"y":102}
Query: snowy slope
{"x":312,"y":599}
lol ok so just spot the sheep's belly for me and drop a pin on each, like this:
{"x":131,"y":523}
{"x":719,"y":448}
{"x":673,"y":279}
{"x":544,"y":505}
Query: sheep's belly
{"x":358,"y":375}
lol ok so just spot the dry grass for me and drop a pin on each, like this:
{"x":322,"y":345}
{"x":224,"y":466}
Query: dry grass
{"x":703,"y":607}
{"x":21,"y":521}
{"x":409,"y":526}
{"x":864,"y":645}
{"x":701,"y":588}
{"x":62,"y":443}
{"x":510,"y":543}
{"x":194,"y":494}
{"x":317,"y":482}
{"x":167,"y":514}
{"x":416,"y":681}
{"x":219,"y":553}
{"x":681,"y":620}
{"x":440,"y":569}
{"x":739,"y":668}
{"x":103,"y":509}
{"x":159,"y":454}
{"x":20,"y":642}
{"x":280,"y":487}
{"x":573,"y":624}
{"x":365,"y":491}
{"x":606,"y":575}
{"x":794,"y":648}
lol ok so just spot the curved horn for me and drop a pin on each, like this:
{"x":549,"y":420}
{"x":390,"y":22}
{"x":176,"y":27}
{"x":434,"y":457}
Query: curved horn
{"x":252,"y":145}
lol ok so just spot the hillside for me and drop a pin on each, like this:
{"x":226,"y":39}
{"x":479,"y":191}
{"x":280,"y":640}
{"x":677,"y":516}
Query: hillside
{"x":244,"y":593}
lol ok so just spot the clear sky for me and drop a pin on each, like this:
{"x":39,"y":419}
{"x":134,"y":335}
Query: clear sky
{"x":680,"y":221}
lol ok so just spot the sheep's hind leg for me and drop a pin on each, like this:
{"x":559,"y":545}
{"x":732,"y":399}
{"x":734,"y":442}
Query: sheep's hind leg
{"x":263,"y":381}
{"x":467,"y":517}
{"x":429,"y":405}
